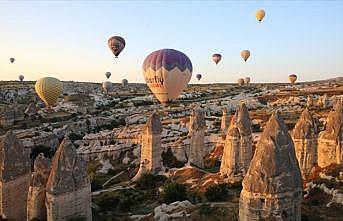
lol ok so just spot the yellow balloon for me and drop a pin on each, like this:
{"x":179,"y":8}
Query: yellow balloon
{"x":260,"y":14}
{"x":245,"y":54}
{"x":49,"y":89}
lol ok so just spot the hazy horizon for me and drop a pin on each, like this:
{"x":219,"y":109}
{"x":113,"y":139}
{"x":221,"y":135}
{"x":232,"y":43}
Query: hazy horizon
{"x":68,"y":40}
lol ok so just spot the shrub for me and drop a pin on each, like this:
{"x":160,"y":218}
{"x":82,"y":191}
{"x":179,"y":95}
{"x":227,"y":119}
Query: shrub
{"x":47,"y":151}
{"x":217,"y":192}
{"x":174,"y":192}
{"x":149,"y":181}
{"x":78,"y":218}
{"x":74,"y":136}
{"x":170,"y":160}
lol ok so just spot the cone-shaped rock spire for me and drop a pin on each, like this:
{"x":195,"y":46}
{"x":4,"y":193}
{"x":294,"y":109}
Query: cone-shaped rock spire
{"x":330,"y":142}
{"x":272,"y":187}
{"x":197,"y":127}
{"x":237,"y":152}
{"x":305,"y":134}
{"x":68,"y":187}
{"x":36,"y":197}
{"x":15,"y":174}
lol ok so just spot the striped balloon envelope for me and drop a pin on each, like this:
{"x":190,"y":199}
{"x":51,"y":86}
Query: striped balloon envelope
{"x":167,"y":73}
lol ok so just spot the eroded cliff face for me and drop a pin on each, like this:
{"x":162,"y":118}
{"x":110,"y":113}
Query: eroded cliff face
{"x":68,"y":186}
{"x":330,"y":142}
{"x":15,"y":173}
{"x":272,"y":187}
{"x":237,"y":152}
{"x":197,"y":128}
{"x":36,"y":197}
{"x":305,"y":135}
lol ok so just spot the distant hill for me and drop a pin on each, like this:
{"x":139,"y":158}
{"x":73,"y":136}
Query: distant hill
{"x":336,"y":79}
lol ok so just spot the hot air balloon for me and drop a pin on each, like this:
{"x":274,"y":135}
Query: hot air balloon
{"x":49,"y":89}
{"x":107,"y":86}
{"x":292,"y":78}
{"x":167,"y":72}
{"x":240,"y":81}
{"x":12,"y":60}
{"x":116,"y":44}
{"x":247,"y":80}
{"x":198,"y":76}
{"x":108,"y":74}
{"x":245,"y":54}
{"x":21,"y":77}
{"x":216,"y":58}
{"x":260,"y":14}
{"x":124,"y":82}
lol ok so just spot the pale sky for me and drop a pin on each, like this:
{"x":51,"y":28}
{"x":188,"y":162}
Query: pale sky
{"x":68,"y":40}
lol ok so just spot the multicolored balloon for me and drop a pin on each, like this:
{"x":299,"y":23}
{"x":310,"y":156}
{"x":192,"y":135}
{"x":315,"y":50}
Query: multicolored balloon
{"x":49,"y":89}
{"x":124,"y":82}
{"x":116,"y":44}
{"x":216,"y":58}
{"x":108,"y":75}
{"x":292,"y":78}
{"x":247,"y":80}
{"x":12,"y":60}
{"x":245,"y":54}
{"x":167,"y":72}
{"x":260,"y":15}
{"x":198,"y":76}
{"x":21,"y":77}
{"x":240,"y":81}
{"x":107,"y":86}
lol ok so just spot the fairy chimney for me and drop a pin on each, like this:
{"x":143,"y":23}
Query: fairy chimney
{"x":68,"y":190}
{"x":309,"y":102}
{"x":272,"y":187}
{"x":197,"y":127}
{"x":151,"y":147}
{"x":15,"y":174}
{"x":36,"y":197}
{"x":225,"y":122}
{"x":237,"y":152}
{"x":330,"y":142}
{"x":305,"y":135}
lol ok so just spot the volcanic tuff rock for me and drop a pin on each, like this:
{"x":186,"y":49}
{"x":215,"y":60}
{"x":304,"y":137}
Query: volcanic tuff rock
{"x":238,"y":145}
{"x":36,"y":197}
{"x":151,"y":146}
{"x":272,"y":187}
{"x":31,"y":110}
{"x":309,"y":102}
{"x":305,"y":135}
{"x":15,"y":173}
{"x":197,"y":127}
{"x":68,"y":192}
{"x":330,"y":142}
{"x":68,"y":171}
{"x":225,"y":122}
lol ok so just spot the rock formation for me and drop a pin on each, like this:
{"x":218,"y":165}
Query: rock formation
{"x":330,"y":142}
{"x":36,"y":197}
{"x":197,"y":127}
{"x":68,"y":190}
{"x":272,"y":187}
{"x":309,"y":101}
{"x":31,"y":110}
{"x":151,"y":147}
{"x":225,"y":122}
{"x":305,"y":135}
{"x":15,"y":174}
{"x":237,"y":152}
